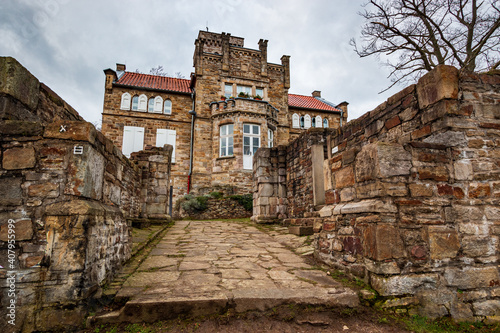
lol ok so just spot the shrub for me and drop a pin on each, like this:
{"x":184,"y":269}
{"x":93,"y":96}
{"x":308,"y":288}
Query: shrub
{"x":216,"y":195}
{"x":194,"y":204}
{"x":246,"y":200}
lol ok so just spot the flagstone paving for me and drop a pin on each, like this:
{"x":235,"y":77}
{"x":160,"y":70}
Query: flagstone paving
{"x":205,"y":267}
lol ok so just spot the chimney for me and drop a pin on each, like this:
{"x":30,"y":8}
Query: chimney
{"x":120,"y":67}
{"x":316,"y":93}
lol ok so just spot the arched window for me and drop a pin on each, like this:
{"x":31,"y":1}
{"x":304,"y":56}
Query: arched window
{"x":307,"y":121}
{"x":302,"y":122}
{"x":158,"y":104}
{"x":167,"y":107}
{"x":318,"y":121}
{"x":125,"y":104}
{"x":151,"y":104}
{"x":325,"y":123}
{"x":313,"y":122}
{"x":295,"y":121}
{"x":143,"y":101}
{"x":135,"y":103}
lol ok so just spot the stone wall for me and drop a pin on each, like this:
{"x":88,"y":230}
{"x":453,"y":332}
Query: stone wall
{"x":412,"y":194}
{"x":67,"y":190}
{"x":223,"y":208}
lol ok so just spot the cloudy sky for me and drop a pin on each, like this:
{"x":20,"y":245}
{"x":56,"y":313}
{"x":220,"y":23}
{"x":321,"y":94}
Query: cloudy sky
{"x":68,"y":43}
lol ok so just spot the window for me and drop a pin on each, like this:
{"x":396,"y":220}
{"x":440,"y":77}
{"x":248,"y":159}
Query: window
{"x":226,"y":140}
{"x":307,"y":121}
{"x":151,"y":104}
{"x":158,"y":104}
{"x":270,"y":138}
{"x":143,"y":100}
{"x":302,"y":122}
{"x":125,"y":104}
{"x":135,"y":103}
{"x":167,"y":107}
{"x":166,"y":136}
{"x":295,"y":121}
{"x":325,"y":123}
{"x":259,"y":92}
{"x":318,"y":121}
{"x":228,"y":90}
{"x":244,"y":89}
{"x":313,"y":122}
{"x":251,"y":142}
{"x":133,"y":139}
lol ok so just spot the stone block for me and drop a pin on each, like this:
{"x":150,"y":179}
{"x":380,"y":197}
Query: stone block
{"x":472,"y":277}
{"x":447,"y":139}
{"x":300,"y":230}
{"x":49,"y":190}
{"x":382,"y":242}
{"x":344,"y":177}
{"x":487,"y":308}
{"x":71,"y":130}
{"x":438,"y":173}
{"x":20,"y":128}
{"x":440,"y":83}
{"x":368,"y":206}
{"x":382,"y":160}
{"x":382,"y":268}
{"x":474,"y":246}
{"x":421,"y":190}
{"x":402,"y":284}
{"x":23,"y":229}
{"x":86,"y":174}
{"x":463,"y":170}
{"x":348,"y":194}
{"x":265,"y":190}
{"x":19,"y":158}
{"x":11,"y":192}
{"x":326,"y":211}
{"x":443,"y":242}
{"x":492,"y":213}
{"x":18,"y":82}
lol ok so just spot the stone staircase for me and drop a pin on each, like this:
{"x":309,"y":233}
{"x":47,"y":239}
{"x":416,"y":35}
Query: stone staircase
{"x":307,"y":225}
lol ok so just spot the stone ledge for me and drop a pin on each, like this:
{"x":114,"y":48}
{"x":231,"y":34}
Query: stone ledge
{"x":365,"y":206}
{"x":18,"y":82}
{"x":80,"y":207}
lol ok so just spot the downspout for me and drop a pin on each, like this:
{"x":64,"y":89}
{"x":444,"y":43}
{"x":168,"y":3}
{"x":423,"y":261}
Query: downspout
{"x":341,"y":116}
{"x":193,"y":116}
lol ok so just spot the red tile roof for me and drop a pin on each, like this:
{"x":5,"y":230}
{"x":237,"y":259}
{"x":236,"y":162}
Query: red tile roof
{"x":309,"y":102}
{"x":154,"y":82}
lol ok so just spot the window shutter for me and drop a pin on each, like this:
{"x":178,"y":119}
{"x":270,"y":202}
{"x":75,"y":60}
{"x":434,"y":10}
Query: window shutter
{"x":125,"y":105}
{"x":319,"y":122}
{"x":143,"y":101}
{"x":158,"y":104}
{"x":295,"y":121}
{"x":307,"y":121}
{"x":133,"y":140}
{"x":166,"y":136}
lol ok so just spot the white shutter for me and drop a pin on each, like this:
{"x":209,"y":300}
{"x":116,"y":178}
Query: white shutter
{"x":307,"y":121}
{"x":319,"y":122}
{"x":143,"y":103}
{"x":125,"y":105}
{"x":133,"y":140}
{"x":158,"y":104}
{"x":166,"y":136}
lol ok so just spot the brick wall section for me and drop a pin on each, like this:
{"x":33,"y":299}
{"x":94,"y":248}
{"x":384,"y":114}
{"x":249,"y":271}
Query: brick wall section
{"x":69,"y":208}
{"x":412,"y":196}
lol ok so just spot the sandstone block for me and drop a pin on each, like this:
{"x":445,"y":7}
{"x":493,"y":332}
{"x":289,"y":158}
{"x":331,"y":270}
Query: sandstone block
{"x":266,"y":190}
{"x":402,"y":284}
{"x":443,"y":242}
{"x":347,"y":194}
{"x":49,"y":190}
{"x":344,"y":177}
{"x":86,"y":174}
{"x":11,"y":191}
{"x":382,"y":268}
{"x":18,"y":82}
{"x":438,"y":84}
{"x":487,"y":308}
{"x":492,"y":213}
{"x":448,"y":139}
{"x":326,"y":211}
{"x":382,"y":160}
{"x":471,"y":277}
{"x":473,"y":246}
{"x":368,"y":206}
{"x":71,"y":130}
{"x":420,"y":190}
{"x":19,"y":158}
{"x":23,"y":228}
{"x":463,"y":170}
{"x":382,"y":242}
{"x":21,"y":128}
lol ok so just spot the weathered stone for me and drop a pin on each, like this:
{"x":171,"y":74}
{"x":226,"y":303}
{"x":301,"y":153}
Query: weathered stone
{"x":436,"y":85}
{"x":382,"y":268}
{"x":12,"y":193}
{"x":49,"y":190}
{"x":86,"y":173}
{"x":71,"y":130}
{"x":383,"y":242}
{"x":20,"y":128}
{"x":326,"y":211}
{"x":23,"y":230}
{"x":18,"y":82}
{"x":473,"y":246}
{"x":368,"y":206}
{"x":443,"y":242}
{"x":487,"y":308}
{"x":19,"y":158}
{"x":448,"y":139}
{"x":402,"y":284}
{"x":382,"y":160}
{"x":463,"y":170}
{"x":471,"y":277}
{"x":347,"y":194}
{"x":266,"y":190}
{"x":344,"y":177}
{"x":421,"y":190}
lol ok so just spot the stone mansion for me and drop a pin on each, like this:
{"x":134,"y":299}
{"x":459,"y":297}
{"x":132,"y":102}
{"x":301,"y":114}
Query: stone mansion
{"x":233,"y":103}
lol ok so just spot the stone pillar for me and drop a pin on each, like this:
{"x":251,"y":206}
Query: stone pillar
{"x":263,"y":57}
{"x":317,"y":157}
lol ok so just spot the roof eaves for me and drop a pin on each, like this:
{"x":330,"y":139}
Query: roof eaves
{"x":152,"y":89}
{"x":321,"y":110}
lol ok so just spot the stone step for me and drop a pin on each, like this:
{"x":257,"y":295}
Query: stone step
{"x":155,"y":307}
{"x":300,"y":230}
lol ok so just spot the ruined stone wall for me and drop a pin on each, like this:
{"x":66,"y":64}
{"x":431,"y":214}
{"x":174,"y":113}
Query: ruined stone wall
{"x":66,"y":191}
{"x":224,"y":208}
{"x":412,"y":193}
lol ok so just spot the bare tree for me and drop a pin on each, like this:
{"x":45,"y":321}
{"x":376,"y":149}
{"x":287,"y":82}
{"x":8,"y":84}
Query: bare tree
{"x":417,"y":35}
{"x":159,"y":71}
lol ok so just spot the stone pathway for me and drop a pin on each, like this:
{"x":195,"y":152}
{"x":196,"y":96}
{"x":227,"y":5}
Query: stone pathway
{"x":207,"y":267}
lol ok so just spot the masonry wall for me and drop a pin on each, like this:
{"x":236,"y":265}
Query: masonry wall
{"x":412,"y":196}
{"x":67,"y":192}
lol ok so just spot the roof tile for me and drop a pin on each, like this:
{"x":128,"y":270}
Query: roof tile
{"x":154,"y":82}
{"x":309,"y":102}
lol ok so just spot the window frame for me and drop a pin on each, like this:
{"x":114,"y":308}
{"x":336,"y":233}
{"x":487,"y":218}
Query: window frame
{"x":270,"y":138}
{"x":125,"y":101}
{"x":143,"y":103}
{"x":226,"y":138}
{"x":135,"y":103}
{"x":164,"y":106}
{"x":151,"y":105}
